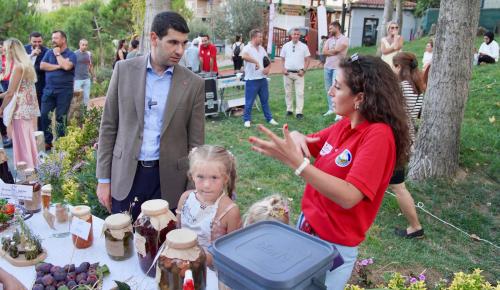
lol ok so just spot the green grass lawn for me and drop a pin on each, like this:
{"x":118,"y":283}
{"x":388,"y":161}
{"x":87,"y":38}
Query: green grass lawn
{"x":471,"y":203}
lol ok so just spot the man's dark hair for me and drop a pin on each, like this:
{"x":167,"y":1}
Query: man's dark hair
{"x":337,"y":24}
{"x":165,"y":20}
{"x":63,"y":34}
{"x":35,"y":34}
{"x":324,"y":37}
{"x":134,"y":43}
{"x":238,"y":37}
{"x":205,"y":35}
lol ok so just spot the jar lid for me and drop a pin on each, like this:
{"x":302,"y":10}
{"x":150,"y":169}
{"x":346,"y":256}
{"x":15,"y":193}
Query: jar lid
{"x":155,"y":207}
{"x":117,"y":221}
{"x":80,"y":210}
{"x":47,"y":188}
{"x":29,"y":171}
{"x":181,"y":239}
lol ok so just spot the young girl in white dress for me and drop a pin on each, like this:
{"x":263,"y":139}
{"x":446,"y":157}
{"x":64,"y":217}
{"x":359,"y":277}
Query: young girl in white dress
{"x":209,"y":209}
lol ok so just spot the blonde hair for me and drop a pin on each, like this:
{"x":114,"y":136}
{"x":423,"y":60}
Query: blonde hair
{"x":215,"y":153}
{"x":389,"y":25}
{"x":271,"y":208}
{"x":16,"y":54}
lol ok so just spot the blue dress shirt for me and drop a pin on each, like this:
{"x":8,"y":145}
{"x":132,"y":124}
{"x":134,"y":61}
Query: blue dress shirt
{"x":155,"y":103}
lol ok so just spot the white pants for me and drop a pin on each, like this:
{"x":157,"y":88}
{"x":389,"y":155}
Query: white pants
{"x":83,"y":85}
{"x":294,"y":80}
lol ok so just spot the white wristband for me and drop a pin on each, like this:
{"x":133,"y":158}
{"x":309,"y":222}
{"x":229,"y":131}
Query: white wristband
{"x":302,"y":166}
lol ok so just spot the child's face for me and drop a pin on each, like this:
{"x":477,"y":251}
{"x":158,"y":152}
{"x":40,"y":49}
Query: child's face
{"x":209,"y":179}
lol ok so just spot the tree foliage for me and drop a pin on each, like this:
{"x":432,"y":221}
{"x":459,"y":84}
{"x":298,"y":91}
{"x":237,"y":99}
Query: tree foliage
{"x":17,"y":19}
{"x":423,"y":5}
{"x":237,"y":17}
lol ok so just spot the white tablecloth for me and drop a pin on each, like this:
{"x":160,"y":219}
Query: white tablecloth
{"x":60,"y":250}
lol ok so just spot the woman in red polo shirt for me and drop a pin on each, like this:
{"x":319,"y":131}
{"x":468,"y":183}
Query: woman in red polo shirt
{"x":354,"y":158}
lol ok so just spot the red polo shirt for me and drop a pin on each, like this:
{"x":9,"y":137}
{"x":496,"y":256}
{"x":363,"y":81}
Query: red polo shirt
{"x":207,"y":53}
{"x":365,"y":157}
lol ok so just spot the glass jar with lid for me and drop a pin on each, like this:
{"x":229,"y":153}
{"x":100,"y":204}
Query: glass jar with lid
{"x":82,"y":212}
{"x":151,"y":227}
{"x":181,"y":255}
{"x":46,"y":196}
{"x":118,"y":235}
{"x":35,"y":204}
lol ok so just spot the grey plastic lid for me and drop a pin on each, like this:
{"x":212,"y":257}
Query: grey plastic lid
{"x":273,"y":254}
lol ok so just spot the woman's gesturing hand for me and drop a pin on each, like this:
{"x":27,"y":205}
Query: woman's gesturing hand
{"x":290,"y":150}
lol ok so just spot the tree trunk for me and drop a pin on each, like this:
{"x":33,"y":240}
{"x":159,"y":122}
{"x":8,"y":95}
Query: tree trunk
{"x":382,"y":27}
{"x":99,"y":40}
{"x":153,"y":7}
{"x":437,"y":146}
{"x":399,"y":15}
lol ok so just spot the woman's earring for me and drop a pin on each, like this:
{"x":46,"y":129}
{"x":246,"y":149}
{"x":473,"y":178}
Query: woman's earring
{"x":356,"y":107}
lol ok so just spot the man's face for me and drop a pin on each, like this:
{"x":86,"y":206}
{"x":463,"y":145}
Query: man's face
{"x":257,"y":39}
{"x":58,"y":40}
{"x":331,"y":28}
{"x":168,"y":50}
{"x":84,"y":45}
{"x":36,"y":42}
{"x":205,"y":41}
{"x":295,"y":36}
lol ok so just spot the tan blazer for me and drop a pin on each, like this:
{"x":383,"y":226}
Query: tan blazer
{"x":122,"y":127}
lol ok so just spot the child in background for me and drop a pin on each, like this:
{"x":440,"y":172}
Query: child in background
{"x":271,"y":208}
{"x":209,"y":210}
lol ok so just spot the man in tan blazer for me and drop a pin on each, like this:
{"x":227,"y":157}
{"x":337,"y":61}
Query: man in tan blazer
{"x":154,"y":114}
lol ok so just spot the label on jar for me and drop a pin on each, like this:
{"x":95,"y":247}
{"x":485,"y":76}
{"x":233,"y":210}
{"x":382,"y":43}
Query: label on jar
{"x":140,"y":244}
{"x":158,"y":274}
{"x":115,"y":248}
{"x":80,"y":228}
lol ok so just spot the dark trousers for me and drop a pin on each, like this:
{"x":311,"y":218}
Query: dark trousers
{"x":60,"y":100}
{"x":237,"y":62}
{"x":3,"y":130}
{"x":485,"y":58}
{"x":146,"y":186}
{"x":39,"y":94}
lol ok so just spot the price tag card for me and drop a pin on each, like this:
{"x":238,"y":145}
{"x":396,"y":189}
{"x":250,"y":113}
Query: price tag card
{"x":16,"y":191}
{"x":80,"y":228}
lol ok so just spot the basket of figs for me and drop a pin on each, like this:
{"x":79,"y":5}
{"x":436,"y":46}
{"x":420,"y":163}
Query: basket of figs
{"x":86,"y":276}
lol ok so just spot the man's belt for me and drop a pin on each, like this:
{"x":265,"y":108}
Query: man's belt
{"x":149,"y":163}
{"x":293,"y":71}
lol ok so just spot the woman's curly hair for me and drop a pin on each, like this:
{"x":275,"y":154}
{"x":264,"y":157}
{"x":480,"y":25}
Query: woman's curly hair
{"x":383,"y":98}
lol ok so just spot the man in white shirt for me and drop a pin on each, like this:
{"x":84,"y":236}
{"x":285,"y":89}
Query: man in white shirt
{"x":256,"y":78}
{"x":295,"y":58}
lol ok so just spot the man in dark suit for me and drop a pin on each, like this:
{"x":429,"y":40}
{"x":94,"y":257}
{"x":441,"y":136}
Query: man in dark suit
{"x":153,"y":116}
{"x":37,"y":51}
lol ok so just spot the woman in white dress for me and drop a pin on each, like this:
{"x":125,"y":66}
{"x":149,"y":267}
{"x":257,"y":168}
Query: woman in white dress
{"x":391,"y":44}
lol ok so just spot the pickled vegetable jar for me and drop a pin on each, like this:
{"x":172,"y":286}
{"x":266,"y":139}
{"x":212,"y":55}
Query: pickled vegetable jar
{"x":119,"y":238}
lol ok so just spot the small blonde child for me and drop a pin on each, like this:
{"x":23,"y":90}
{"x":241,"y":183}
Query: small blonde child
{"x":209,"y":209}
{"x":273,"y":207}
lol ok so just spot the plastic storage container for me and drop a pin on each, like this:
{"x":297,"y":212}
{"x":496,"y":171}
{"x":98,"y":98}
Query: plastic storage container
{"x":270,"y":256}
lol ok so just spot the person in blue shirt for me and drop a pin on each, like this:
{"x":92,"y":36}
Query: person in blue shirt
{"x":59,"y":66}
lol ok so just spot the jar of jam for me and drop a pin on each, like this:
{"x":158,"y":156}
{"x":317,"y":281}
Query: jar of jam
{"x":119,"y":238}
{"x":35,"y":204}
{"x":151,"y":227}
{"x":181,"y":255}
{"x":82,"y":212}
{"x":46,"y":196}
